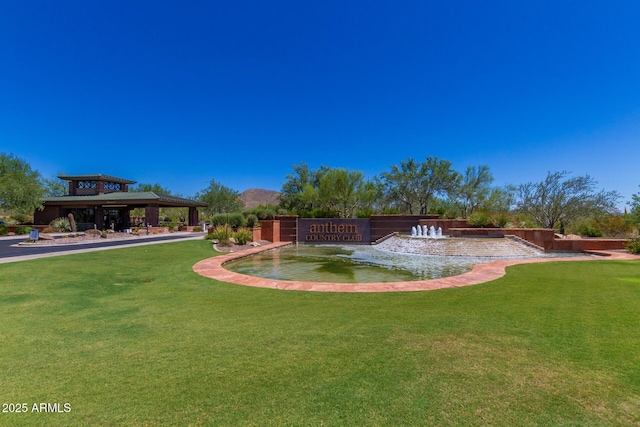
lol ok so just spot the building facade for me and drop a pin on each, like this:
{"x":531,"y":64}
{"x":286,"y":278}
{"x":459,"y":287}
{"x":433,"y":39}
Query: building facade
{"x":103,"y":201}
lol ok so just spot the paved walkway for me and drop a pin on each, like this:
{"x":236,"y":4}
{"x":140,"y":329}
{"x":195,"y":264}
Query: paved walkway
{"x":481,"y":273}
{"x":11,"y":249}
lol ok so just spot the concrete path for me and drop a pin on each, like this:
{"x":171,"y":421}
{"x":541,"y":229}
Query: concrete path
{"x":12,"y":251}
{"x":481,"y":273}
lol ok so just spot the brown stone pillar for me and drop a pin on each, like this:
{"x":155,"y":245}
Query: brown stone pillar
{"x":152,"y":215}
{"x":126,"y":218}
{"x":193,"y":216}
{"x":99,"y":218}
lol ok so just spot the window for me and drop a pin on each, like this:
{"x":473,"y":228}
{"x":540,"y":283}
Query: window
{"x":113,"y":186}
{"x":87,"y":184}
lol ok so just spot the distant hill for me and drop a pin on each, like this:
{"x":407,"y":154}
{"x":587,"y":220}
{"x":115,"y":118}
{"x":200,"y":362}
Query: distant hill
{"x":256,"y":196}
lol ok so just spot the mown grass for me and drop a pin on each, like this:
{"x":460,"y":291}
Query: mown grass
{"x":134,"y":337}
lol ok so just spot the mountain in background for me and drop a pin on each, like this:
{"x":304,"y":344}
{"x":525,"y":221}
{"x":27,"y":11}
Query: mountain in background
{"x":256,"y":196}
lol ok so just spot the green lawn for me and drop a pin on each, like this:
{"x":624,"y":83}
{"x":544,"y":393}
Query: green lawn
{"x":134,"y":337}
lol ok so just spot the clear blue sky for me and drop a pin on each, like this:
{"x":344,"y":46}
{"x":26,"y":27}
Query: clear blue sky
{"x":179,"y":93}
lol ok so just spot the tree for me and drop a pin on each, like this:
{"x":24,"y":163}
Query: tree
{"x":634,"y":216}
{"x":473,"y":189}
{"x":295,"y":194}
{"x":345,"y":192}
{"x":55,"y":187}
{"x":220,"y":199}
{"x":558,"y":200}
{"x":414,"y":185}
{"x":21,"y":189}
{"x":154,"y":188}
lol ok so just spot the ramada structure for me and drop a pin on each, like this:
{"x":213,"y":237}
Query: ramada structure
{"x":103,"y":201}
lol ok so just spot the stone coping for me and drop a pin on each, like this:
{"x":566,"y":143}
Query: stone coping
{"x":481,"y":273}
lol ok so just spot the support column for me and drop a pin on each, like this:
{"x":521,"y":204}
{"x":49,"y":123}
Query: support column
{"x":126,"y":218}
{"x":99,"y":217}
{"x":193,"y":216}
{"x":152,"y":215}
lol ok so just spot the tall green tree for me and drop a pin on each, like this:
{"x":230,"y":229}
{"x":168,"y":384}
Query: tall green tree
{"x":345,"y":192}
{"x":220,"y":199}
{"x":54,"y":186}
{"x":21,"y":189}
{"x":414,"y":185}
{"x":473,"y":190}
{"x":558,"y":200}
{"x":154,"y":188}
{"x":297,"y":193}
{"x":634,"y":215}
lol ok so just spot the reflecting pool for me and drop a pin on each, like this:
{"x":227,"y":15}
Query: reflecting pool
{"x":350,"y":264}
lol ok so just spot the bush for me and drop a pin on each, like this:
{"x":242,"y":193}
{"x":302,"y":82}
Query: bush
{"x":634,"y":246}
{"x":220,"y":232}
{"x":614,"y":226}
{"x":3,"y":230}
{"x":501,"y":220}
{"x":22,"y":230}
{"x":235,"y":219}
{"x":218,"y":219}
{"x":324,"y":213}
{"x":243,"y":235}
{"x":60,"y":225}
{"x":480,"y":219}
{"x":260,"y":213}
{"x":170,"y":224}
{"x":21,"y":217}
{"x":252,"y":221}
{"x":197,"y":229}
{"x":365,"y":213}
{"x":586,"y":228}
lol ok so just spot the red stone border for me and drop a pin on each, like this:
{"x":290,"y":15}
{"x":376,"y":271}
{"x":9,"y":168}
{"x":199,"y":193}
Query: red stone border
{"x":481,"y":273}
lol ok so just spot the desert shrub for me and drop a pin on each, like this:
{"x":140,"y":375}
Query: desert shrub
{"x":3,"y":230}
{"x":19,"y":218}
{"x":480,"y":219}
{"x":60,"y":225}
{"x":197,"y":229}
{"x":170,"y":224}
{"x":588,"y":230}
{"x":390,"y":211}
{"x":220,"y":232}
{"x":365,"y":213}
{"x":261,"y":213}
{"x":614,"y":226}
{"x":634,"y":246}
{"x":324,"y":213}
{"x":218,"y":219}
{"x":243,"y":235}
{"x":22,"y":230}
{"x":235,"y":219}
{"x":501,"y":220}
{"x":252,"y":220}
{"x":585,"y":227}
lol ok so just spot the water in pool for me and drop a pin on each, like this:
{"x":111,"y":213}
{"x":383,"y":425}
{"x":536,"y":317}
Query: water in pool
{"x":349,"y":264}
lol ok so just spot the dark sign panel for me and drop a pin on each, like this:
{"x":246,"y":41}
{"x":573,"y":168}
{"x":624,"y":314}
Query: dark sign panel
{"x":334,"y":230}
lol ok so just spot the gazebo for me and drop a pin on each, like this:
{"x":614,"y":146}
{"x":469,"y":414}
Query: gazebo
{"x":104,"y":201}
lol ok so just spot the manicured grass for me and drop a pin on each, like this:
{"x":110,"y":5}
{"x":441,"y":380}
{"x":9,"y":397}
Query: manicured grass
{"x":134,"y":337}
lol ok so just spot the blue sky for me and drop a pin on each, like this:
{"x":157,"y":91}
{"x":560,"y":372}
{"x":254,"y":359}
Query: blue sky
{"x":179,"y":93}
